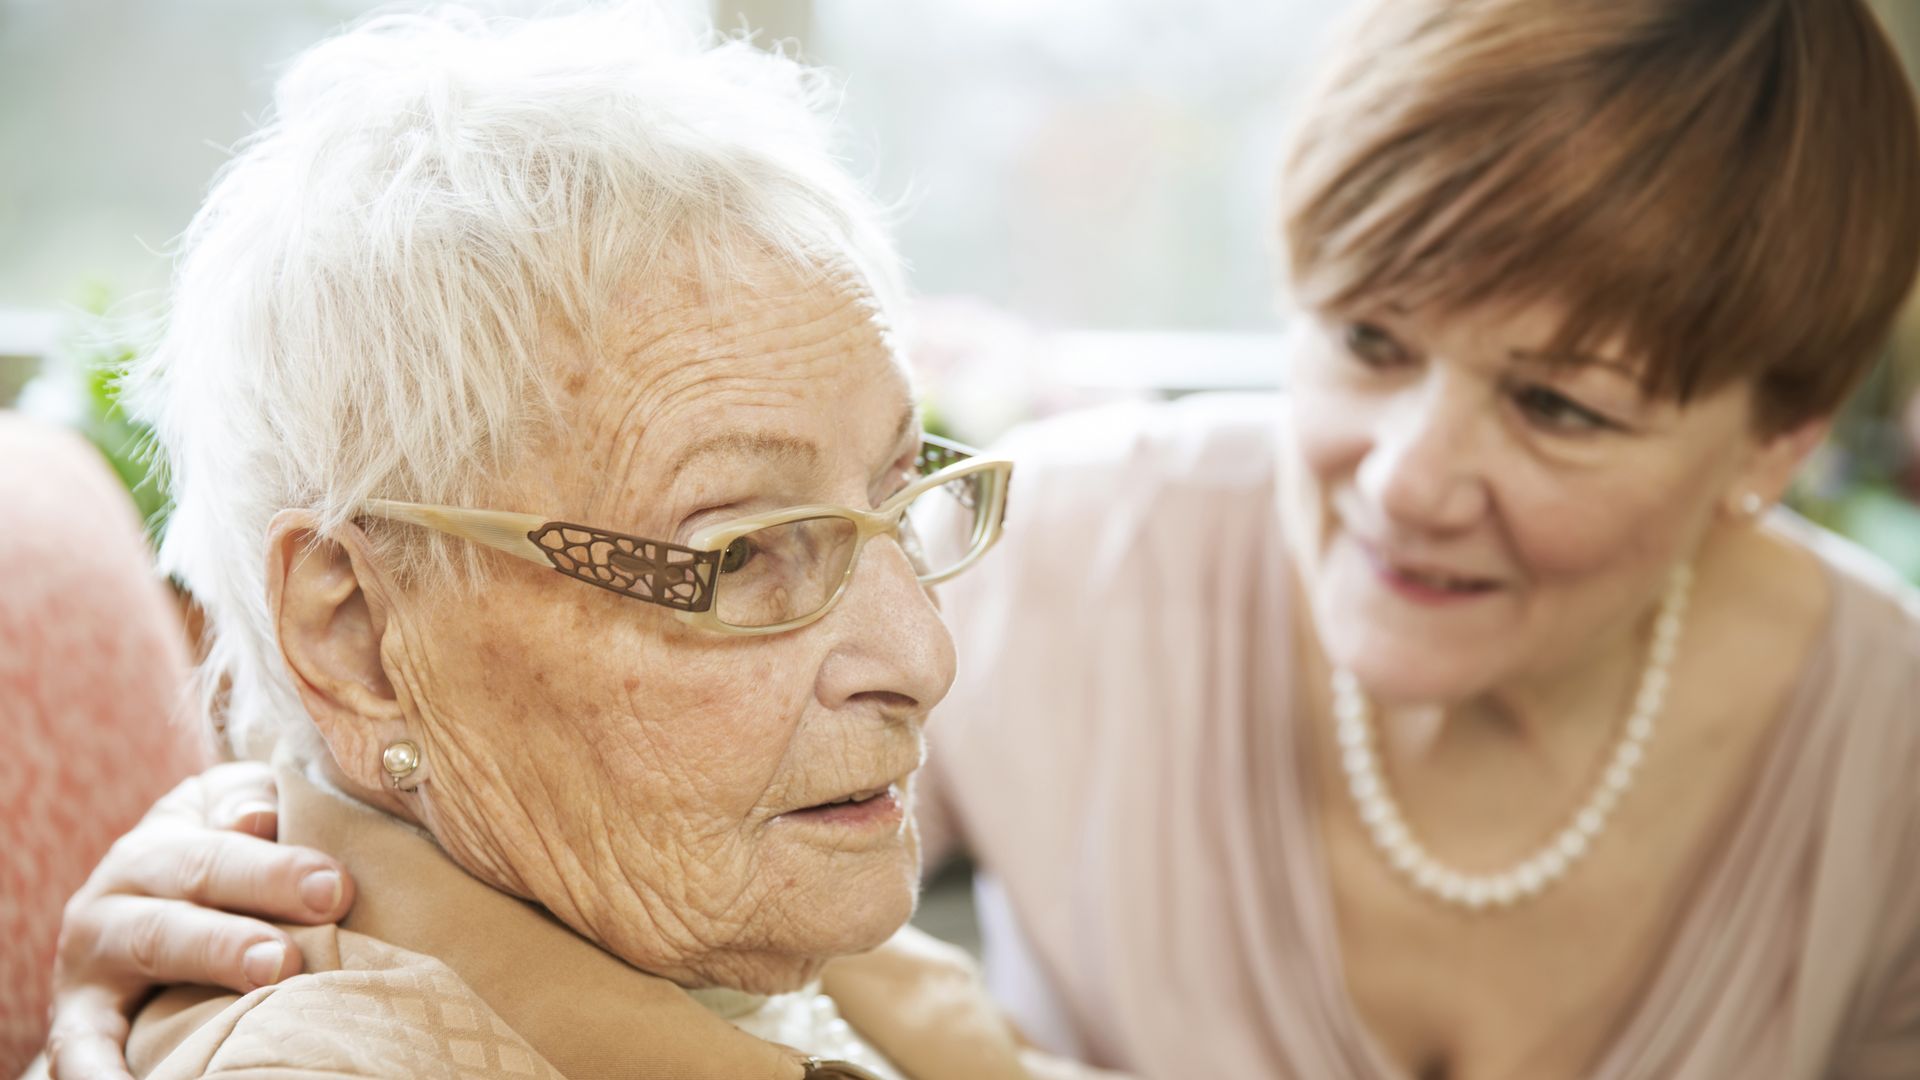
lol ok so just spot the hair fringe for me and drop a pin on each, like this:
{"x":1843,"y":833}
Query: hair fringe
{"x":1724,"y":189}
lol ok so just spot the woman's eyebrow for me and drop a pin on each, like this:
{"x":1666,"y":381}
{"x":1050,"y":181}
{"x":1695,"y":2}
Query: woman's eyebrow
{"x":741,"y":443}
{"x":909,"y":424}
{"x":1575,"y":360}
{"x":904,"y":432}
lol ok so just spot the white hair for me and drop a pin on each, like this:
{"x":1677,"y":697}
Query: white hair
{"x":355,"y":309}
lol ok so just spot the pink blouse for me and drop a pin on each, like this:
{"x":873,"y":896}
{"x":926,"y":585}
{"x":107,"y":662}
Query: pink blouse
{"x":1120,"y":756}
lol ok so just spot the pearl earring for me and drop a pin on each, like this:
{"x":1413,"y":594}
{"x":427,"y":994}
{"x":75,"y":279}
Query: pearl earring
{"x":400,"y":760}
{"x":1751,"y":504}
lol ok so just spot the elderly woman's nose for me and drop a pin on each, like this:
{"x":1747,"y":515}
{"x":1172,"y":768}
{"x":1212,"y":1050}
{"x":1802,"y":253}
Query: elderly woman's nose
{"x":892,"y":643}
{"x":1422,"y":467}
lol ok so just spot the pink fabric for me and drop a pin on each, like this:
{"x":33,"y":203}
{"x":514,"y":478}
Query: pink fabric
{"x":1119,"y":753}
{"x":93,"y":660}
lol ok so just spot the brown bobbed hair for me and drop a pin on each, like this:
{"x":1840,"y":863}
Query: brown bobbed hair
{"x":1727,"y":189}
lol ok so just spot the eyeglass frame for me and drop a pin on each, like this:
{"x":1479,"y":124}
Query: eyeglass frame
{"x":691,"y":570}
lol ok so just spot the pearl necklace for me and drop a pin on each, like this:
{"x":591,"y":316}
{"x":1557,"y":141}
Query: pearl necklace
{"x":1395,"y":841}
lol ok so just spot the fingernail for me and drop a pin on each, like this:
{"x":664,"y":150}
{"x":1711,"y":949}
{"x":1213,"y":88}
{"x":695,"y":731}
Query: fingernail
{"x":261,"y":962}
{"x":254,"y":806}
{"x":321,"y":891}
{"x":252,"y":818}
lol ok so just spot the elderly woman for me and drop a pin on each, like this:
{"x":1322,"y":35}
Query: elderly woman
{"x":548,"y":472}
{"x":1480,"y":720}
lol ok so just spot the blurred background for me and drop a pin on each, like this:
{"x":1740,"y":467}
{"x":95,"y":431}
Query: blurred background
{"x":1084,"y":189}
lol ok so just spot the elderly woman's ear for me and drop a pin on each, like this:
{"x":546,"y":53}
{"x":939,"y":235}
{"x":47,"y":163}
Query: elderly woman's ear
{"x":330,"y":609}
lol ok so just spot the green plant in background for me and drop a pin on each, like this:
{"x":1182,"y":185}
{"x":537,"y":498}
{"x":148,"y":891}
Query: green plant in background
{"x":1884,"y":522}
{"x":1854,"y":484}
{"x":933,"y":420}
{"x":126,"y":444}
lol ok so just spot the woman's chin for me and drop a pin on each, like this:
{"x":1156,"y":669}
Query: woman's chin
{"x":873,"y":918}
{"x":852,"y":910}
{"x":1396,"y":690}
{"x":815,"y":952}
{"x":811,"y":939}
{"x":1412,"y":674}
{"x":1408,"y":654}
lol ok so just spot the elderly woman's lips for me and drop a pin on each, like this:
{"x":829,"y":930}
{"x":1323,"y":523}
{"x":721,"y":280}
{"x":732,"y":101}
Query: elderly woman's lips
{"x":868,"y":809}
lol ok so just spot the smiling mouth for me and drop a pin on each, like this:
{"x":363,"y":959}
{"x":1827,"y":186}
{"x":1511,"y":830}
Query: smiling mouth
{"x":1441,"y":582}
{"x":1425,"y":584}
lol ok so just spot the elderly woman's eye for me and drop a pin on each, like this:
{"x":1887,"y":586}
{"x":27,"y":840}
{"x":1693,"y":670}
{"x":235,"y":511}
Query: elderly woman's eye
{"x":1373,"y":346}
{"x":738,"y":554}
{"x":1556,"y":412}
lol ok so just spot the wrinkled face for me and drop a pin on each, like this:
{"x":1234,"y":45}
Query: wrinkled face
{"x":647,"y":781}
{"x":1468,"y":516}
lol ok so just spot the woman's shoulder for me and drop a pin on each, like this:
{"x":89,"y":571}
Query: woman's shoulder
{"x":1874,"y":615}
{"x":1859,"y":705}
{"x":1858,"y":694}
{"x":381,"y":1011}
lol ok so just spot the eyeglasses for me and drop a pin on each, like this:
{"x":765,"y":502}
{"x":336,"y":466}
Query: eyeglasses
{"x":762,"y":574}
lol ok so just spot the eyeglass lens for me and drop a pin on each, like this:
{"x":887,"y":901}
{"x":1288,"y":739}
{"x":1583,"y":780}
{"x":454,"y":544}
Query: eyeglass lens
{"x":942,"y":526}
{"x":789,"y":571}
